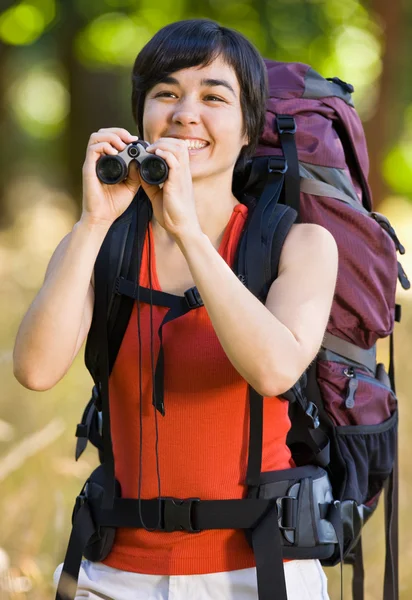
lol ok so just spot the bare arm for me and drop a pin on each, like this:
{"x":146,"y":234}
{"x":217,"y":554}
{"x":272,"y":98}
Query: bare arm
{"x":270,"y":345}
{"x":58,"y":320}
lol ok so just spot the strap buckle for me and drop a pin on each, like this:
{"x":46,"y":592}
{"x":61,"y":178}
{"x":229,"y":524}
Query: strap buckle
{"x":287,"y":508}
{"x":277,"y":164}
{"x":177,"y":514}
{"x":81,"y":499}
{"x":193,"y":298}
{"x":313,"y":413}
{"x":286,"y":124}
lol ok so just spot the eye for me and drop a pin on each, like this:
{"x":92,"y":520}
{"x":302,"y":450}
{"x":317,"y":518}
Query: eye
{"x":213,"y":98}
{"x":165,"y":94}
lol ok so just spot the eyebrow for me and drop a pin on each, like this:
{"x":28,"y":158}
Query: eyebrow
{"x":205,"y":82}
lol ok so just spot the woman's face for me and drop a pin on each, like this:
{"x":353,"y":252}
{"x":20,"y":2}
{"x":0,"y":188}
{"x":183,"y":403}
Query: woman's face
{"x":202,"y":106}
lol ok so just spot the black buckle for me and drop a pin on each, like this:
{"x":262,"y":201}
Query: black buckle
{"x":286,"y":124}
{"x":313,"y":413}
{"x":277,"y":164}
{"x":82,"y":430}
{"x":287,"y":507}
{"x":193,"y":298}
{"x":80,"y":500}
{"x":177,"y":514}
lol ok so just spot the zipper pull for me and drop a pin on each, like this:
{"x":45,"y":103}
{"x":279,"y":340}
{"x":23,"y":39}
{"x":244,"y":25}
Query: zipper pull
{"x":403,"y":278}
{"x":352,"y":387}
{"x":385,"y":224}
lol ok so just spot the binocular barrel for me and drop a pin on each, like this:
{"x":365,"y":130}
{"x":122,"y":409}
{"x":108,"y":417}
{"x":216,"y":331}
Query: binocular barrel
{"x":112,"y":169}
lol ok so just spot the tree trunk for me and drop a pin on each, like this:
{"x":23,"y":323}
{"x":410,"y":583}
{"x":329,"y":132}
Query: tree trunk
{"x":96,"y":99}
{"x":382,"y":130}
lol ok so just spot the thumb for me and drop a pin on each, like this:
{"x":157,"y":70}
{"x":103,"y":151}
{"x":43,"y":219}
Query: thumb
{"x":133,"y":180}
{"x":153,"y":192}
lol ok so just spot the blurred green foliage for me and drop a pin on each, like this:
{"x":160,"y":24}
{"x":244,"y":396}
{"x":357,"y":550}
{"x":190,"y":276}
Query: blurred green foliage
{"x":64,"y":73}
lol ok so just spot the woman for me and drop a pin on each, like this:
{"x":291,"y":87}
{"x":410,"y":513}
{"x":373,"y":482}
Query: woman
{"x":199,"y":94}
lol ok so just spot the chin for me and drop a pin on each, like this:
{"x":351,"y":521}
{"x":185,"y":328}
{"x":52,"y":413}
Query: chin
{"x":202,"y":172}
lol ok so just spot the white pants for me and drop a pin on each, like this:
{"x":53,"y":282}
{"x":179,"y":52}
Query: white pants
{"x":305,"y":580}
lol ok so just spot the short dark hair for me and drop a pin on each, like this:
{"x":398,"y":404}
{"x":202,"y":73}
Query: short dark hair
{"x":197,"y":42}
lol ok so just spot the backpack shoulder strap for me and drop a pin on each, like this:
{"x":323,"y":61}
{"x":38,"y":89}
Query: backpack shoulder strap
{"x":269,"y":222}
{"x":119,"y":256}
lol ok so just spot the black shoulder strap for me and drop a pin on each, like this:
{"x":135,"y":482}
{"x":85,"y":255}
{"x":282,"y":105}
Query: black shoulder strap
{"x":268,"y":224}
{"x":257,"y":265}
{"x":119,"y":256}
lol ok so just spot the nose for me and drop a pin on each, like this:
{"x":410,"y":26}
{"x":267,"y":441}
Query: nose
{"x":186,"y":113}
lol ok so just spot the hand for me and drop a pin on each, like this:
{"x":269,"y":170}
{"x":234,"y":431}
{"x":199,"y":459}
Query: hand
{"x":174,"y":204}
{"x":102,"y":203}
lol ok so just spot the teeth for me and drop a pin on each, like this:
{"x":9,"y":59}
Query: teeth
{"x":195,"y":144}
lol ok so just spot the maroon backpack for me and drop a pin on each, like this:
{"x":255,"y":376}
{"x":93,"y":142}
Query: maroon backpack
{"x":311,"y":124}
{"x":311,"y":164}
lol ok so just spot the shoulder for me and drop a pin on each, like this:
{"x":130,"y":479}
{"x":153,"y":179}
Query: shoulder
{"x":305,"y":242}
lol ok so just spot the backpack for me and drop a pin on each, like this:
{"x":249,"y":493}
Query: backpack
{"x":311,"y":165}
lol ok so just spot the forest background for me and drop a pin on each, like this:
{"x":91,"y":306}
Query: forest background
{"x":64,"y":73}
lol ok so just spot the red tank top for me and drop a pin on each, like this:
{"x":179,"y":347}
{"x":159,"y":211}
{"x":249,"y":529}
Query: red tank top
{"x":202,"y":439}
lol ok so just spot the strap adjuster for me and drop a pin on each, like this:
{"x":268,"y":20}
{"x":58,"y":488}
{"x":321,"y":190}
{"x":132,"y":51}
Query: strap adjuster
{"x":177,"y":514}
{"x":81,"y":430}
{"x":81,"y":499}
{"x":286,"y":124}
{"x":193,"y":298}
{"x":287,"y":507}
{"x":313,"y":413}
{"x":277,"y":164}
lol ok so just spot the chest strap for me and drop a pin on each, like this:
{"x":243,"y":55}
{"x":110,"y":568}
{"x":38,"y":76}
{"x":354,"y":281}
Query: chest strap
{"x":177,"y":305}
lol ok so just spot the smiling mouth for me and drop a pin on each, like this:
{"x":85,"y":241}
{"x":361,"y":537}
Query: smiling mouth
{"x":196,"y":144}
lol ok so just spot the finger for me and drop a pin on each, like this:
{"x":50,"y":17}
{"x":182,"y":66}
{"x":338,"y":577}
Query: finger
{"x":114,"y":139}
{"x":170,"y":158}
{"x":125,"y":135}
{"x":180,"y":153}
{"x":171,"y":144}
{"x":95,"y":151}
{"x":102,"y":148}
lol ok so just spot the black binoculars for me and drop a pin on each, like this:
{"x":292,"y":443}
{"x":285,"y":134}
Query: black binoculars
{"x":112,"y":169}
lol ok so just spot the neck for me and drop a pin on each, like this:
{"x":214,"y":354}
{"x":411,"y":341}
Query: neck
{"x":214,"y":205}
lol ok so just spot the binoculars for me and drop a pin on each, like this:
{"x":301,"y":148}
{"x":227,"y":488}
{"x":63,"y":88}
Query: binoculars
{"x":112,"y":169}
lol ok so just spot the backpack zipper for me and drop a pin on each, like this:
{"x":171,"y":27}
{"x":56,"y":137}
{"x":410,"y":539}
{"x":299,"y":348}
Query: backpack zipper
{"x":353,"y":383}
{"x":352,"y":387}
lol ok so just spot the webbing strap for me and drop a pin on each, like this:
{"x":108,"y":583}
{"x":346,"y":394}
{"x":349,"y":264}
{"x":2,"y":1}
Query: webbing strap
{"x":83,"y":429}
{"x":158,"y":392}
{"x":286,"y":127}
{"x":358,"y":573}
{"x":391,"y":371}
{"x":351,"y":351}
{"x":335,"y":518}
{"x":254,"y":465}
{"x":178,"y":306}
{"x":101,"y":308}
{"x":391,"y":577}
{"x":391,"y":491}
{"x":82,"y":530}
{"x":267,"y":549}
{"x":185,"y":514}
{"x":320,"y":188}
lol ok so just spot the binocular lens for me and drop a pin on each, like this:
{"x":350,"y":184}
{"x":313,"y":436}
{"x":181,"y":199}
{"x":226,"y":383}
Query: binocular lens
{"x":110,"y":169}
{"x":154,"y":170}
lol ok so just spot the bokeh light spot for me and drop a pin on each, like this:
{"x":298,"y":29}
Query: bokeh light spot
{"x":21,"y":24}
{"x":112,"y":39}
{"x":40,"y":103}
